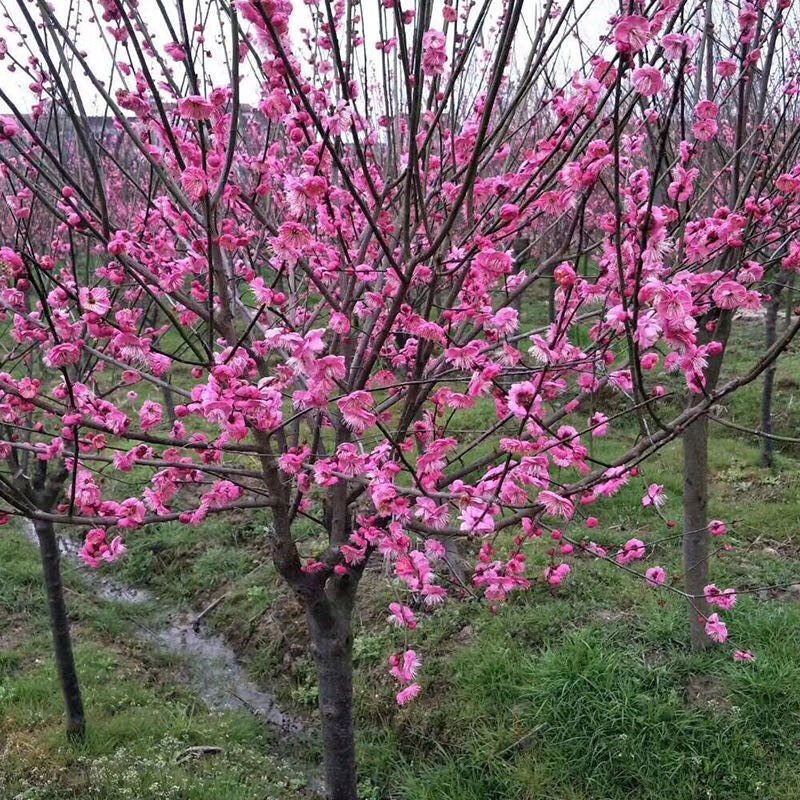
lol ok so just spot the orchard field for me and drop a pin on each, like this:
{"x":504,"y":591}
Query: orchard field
{"x":399,"y":400}
{"x":583,"y":694}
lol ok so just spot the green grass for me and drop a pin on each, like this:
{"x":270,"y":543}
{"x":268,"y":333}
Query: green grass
{"x":744,"y":406}
{"x":552,"y":699}
{"x":588,"y":692}
{"x":139,"y":720}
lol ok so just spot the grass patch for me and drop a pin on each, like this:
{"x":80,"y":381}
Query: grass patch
{"x":139,"y":721}
{"x":590,"y":691}
{"x":587,"y":692}
{"x":612,"y":709}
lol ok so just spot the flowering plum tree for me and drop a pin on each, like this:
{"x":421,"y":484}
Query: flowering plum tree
{"x":303,"y":301}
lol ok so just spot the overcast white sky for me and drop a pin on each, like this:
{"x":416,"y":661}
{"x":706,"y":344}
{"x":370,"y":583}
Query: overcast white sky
{"x":593,"y":24}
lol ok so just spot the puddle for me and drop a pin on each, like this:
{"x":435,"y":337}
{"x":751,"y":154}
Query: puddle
{"x":211,"y":664}
{"x":219,"y":677}
{"x":103,"y":586}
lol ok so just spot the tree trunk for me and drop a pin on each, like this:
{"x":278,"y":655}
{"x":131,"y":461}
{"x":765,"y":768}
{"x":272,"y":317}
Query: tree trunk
{"x":695,"y":500}
{"x":789,"y":307}
{"x":695,"y":522}
{"x":551,"y":295}
{"x":169,"y":403}
{"x":771,"y":334}
{"x":454,"y":560}
{"x":59,"y":625}
{"x":520,"y":248}
{"x":332,"y":645}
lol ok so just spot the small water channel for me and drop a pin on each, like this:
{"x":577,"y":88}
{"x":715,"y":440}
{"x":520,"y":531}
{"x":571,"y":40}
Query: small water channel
{"x":211,"y":664}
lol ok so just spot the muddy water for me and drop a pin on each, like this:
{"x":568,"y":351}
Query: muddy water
{"x":211,"y":665}
{"x":218,"y":676}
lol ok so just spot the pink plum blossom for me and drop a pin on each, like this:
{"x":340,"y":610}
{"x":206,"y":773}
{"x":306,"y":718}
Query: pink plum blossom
{"x":632,"y":550}
{"x":402,"y":616}
{"x":724,"y":599}
{"x":555,"y":575}
{"x":716,"y":629}
{"x":655,"y":496}
{"x":96,"y":549}
{"x":195,"y":107}
{"x":717,"y":528}
{"x":631,"y":34}
{"x":408,"y":694}
{"x":655,"y":576}
{"x":648,"y":81}
{"x":405,"y":666}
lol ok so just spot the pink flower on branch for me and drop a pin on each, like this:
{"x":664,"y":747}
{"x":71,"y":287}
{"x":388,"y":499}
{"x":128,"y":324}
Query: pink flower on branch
{"x":716,"y":629}
{"x":408,"y":694}
{"x":556,"y":505}
{"x":401,"y":616}
{"x":97,"y":549}
{"x":195,"y":183}
{"x":150,"y":415}
{"x":655,"y":576}
{"x":724,"y":599}
{"x":62,"y":355}
{"x":435,"y":53}
{"x":405,"y":666}
{"x":717,"y":527}
{"x":176,"y":52}
{"x":631,"y":34}
{"x":195,"y":107}
{"x":632,"y":550}
{"x":355,"y":411}
{"x":655,"y":496}
{"x":648,"y":81}
{"x":555,"y":575}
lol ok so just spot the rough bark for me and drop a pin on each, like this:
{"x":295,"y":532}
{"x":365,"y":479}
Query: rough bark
{"x":329,"y":607}
{"x":169,"y":404}
{"x":551,"y":295}
{"x":789,"y":306}
{"x":59,"y":625}
{"x":695,"y":502}
{"x":520,"y":247}
{"x":771,"y":334}
{"x":695,"y":522}
{"x":329,"y":623}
